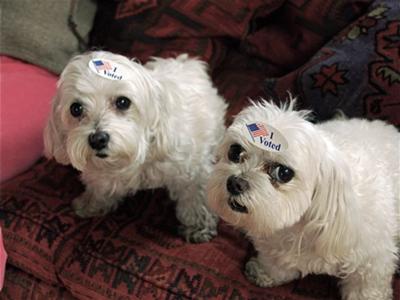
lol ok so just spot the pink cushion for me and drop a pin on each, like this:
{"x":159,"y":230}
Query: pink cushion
{"x":26,"y":92}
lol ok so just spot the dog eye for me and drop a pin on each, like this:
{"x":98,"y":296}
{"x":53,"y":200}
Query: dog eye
{"x":235,"y":153}
{"x":122,"y":103}
{"x":282,"y":173}
{"x":76,"y":109}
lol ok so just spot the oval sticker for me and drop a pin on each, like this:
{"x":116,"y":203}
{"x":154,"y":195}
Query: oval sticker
{"x":266,"y":137}
{"x":107,"y":69}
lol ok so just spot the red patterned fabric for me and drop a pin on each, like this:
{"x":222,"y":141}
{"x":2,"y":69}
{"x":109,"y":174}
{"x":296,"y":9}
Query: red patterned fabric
{"x":133,"y":253}
{"x":333,"y":54}
{"x":166,"y":28}
{"x":21,"y":285}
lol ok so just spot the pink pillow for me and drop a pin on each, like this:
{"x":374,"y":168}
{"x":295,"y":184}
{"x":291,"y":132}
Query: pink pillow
{"x":26,"y":93}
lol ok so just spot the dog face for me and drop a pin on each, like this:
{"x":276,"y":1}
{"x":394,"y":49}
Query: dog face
{"x":100,"y":122}
{"x":263,"y":191}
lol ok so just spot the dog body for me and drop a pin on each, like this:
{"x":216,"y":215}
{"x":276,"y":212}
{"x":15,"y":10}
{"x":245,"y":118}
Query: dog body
{"x":328,"y":204}
{"x":128,"y":127}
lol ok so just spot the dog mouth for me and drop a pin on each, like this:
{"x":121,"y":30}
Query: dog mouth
{"x":101,"y":155}
{"x":237,"y":207}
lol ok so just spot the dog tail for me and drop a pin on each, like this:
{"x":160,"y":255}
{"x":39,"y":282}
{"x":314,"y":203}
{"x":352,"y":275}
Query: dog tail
{"x":182,"y":57}
{"x":340,"y":115}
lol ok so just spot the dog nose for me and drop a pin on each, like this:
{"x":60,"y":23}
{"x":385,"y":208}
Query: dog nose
{"x":236,"y":185}
{"x":99,"y":140}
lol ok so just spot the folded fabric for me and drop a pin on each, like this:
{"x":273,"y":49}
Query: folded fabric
{"x":26,"y":92}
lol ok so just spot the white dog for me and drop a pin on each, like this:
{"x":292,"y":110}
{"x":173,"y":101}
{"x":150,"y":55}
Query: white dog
{"x":312,"y":198}
{"x":128,"y":126}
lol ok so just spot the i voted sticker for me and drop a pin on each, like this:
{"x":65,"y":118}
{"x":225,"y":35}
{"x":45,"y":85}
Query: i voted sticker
{"x":266,"y":137}
{"x":107,"y":69}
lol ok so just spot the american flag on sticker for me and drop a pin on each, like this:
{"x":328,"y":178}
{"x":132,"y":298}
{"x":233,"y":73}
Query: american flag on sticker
{"x":257,"y":129}
{"x":102,"y":65}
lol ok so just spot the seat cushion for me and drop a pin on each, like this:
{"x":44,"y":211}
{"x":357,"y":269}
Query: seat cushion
{"x":133,"y":253}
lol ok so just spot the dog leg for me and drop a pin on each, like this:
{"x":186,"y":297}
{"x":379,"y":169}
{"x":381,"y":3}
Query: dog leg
{"x":198,"y":224}
{"x":95,"y":201}
{"x":268,"y":276}
{"x":369,"y":283}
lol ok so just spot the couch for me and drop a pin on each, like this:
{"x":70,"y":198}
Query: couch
{"x":331,"y":54}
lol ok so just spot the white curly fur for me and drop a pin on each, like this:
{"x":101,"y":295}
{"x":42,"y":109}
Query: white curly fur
{"x":166,"y":138}
{"x":339,"y":215}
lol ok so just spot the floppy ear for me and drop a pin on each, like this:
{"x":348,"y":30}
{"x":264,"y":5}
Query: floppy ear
{"x":54,"y":138}
{"x":162,"y":130}
{"x":330,"y":216}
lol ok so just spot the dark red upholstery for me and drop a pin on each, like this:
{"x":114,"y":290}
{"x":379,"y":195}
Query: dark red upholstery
{"x":133,"y":253}
{"x":257,"y":49}
{"x":21,"y":285}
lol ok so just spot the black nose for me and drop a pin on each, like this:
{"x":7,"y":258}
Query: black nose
{"x":236,"y":185}
{"x":99,"y":140}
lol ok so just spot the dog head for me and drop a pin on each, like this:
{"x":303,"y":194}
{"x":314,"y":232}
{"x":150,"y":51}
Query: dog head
{"x":104,"y":112}
{"x":275,"y":169}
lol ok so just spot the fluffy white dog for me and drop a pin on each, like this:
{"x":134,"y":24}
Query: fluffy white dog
{"x":128,"y":126}
{"x":312,"y":198}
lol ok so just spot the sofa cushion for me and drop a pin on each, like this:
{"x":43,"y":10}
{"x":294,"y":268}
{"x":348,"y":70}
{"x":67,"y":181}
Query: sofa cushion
{"x":26,"y":93}
{"x":46,"y":33}
{"x":134,"y":252}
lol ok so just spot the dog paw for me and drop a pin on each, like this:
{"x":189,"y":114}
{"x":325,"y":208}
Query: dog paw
{"x":83,"y":209}
{"x":197,"y":235}
{"x":256,"y":274}
{"x":79,"y":205}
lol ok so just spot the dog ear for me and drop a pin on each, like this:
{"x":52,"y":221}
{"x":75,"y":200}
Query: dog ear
{"x":330,"y":215}
{"x":54,"y":139}
{"x":164,"y":139}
